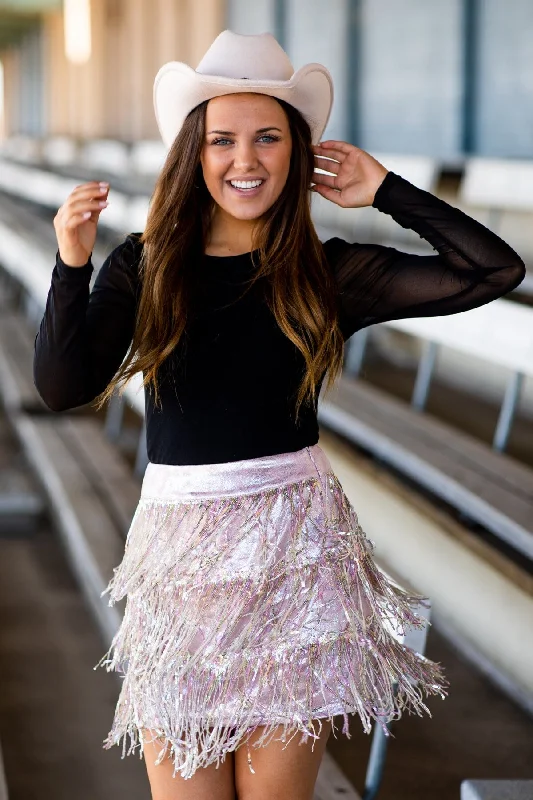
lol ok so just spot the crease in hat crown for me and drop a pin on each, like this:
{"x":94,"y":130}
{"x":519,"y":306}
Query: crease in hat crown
{"x":256,"y":57}
{"x":241,"y":63}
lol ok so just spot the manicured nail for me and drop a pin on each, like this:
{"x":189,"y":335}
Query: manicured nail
{"x":86,"y":215}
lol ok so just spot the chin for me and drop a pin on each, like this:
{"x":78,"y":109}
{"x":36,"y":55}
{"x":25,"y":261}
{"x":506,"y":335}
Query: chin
{"x":246,"y":216}
{"x":244,"y":213}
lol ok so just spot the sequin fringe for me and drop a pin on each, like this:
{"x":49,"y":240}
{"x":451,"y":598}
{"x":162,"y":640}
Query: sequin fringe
{"x":265,"y":609}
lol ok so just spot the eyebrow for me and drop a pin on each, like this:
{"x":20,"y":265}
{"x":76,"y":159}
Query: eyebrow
{"x":259,"y":130}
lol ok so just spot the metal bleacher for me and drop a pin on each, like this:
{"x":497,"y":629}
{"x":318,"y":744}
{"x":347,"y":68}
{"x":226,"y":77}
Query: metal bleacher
{"x":488,"y":486}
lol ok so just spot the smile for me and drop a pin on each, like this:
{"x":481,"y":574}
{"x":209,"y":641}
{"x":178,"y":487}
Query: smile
{"x":247,"y":187}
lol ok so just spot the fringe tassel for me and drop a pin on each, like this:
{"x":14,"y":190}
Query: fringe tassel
{"x":265,"y":609}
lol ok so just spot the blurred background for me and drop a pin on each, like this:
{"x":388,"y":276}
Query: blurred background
{"x":430,"y":428}
{"x":445,"y":81}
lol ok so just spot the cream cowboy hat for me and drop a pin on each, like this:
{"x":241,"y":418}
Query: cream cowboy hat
{"x":237,"y":63}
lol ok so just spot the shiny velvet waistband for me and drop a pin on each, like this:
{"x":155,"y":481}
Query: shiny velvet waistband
{"x":179,"y":482}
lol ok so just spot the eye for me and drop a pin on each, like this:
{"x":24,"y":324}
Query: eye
{"x":270,"y":137}
{"x":221,"y":141}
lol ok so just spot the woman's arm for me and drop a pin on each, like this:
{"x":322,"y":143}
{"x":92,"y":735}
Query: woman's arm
{"x":84,"y":336}
{"x":378,"y":283}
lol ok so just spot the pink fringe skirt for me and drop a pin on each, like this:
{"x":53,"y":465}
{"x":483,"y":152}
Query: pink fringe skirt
{"x":253,"y":599}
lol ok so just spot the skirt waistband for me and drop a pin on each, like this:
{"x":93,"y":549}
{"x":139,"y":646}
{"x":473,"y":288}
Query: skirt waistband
{"x":179,"y":482}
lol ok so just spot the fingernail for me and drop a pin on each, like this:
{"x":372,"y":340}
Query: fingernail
{"x":86,"y":215}
{"x":104,"y":183}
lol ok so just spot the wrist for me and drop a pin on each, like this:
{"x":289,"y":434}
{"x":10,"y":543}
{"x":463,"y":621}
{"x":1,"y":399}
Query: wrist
{"x":68,"y":270}
{"x":71,"y":263}
{"x":384,"y":189}
{"x":68,"y":263}
{"x":379,"y":184}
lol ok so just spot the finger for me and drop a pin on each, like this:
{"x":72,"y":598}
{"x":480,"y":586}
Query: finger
{"x":328,"y":193}
{"x":338,"y":146}
{"x":320,"y":150}
{"x":328,"y":165}
{"x":71,"y":208}
{"x":78,"y":206}
{"x":78,"y":219}
{"x":92,"y":189}
{"x":97,"y":193}
{"x":91,"y":185}
{"x":334,"y":155}
{"x":324,"y":180}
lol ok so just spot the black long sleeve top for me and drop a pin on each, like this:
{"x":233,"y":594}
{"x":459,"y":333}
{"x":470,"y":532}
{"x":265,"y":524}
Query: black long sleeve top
{"x":232,"y":396}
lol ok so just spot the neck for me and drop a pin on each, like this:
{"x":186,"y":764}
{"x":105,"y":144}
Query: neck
{"x":228,"y":235}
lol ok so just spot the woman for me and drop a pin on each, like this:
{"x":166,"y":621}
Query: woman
{"x":255,"y":611}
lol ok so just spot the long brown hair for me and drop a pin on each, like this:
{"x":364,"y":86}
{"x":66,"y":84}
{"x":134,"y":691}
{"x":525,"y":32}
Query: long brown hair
{"x":300,"y":289}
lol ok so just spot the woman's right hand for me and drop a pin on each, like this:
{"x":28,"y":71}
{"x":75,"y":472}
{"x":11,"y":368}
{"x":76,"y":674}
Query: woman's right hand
{"x":76,"y":221}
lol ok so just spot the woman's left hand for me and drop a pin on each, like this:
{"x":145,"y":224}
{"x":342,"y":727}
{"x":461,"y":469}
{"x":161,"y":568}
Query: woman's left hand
{"x":356,"y":174}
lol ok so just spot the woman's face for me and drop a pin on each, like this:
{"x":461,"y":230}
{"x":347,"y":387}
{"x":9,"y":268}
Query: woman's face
{"x":246,"y":154}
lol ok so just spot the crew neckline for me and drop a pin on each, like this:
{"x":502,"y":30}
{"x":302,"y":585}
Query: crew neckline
{"x":237,"y":255}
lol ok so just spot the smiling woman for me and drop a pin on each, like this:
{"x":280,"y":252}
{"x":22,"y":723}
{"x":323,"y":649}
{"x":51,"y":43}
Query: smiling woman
{"x":221,"y":140}
{"x":255,"y":610}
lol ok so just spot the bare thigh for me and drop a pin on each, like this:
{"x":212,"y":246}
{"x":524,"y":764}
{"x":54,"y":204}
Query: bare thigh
{"x":206,"y":783}
{"x":282,"y":771}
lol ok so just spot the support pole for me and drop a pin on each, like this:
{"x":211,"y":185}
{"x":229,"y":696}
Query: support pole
{"x":356,"y":353}
{"x":114,"y":417}
{"x":507,"y":411}
{"x":280,"y":22}
{"x":141,"y":460}
{"x":424,"y":375}
{"x":376,"y":759}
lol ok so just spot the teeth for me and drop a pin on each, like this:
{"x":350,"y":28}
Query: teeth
{"x":246,"y":184}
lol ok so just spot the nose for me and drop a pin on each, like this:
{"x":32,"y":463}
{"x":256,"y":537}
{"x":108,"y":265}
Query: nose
{"x":245,"y":157}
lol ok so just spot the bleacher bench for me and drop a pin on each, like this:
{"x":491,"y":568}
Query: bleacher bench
{"x":490,"y":488}
{"x":91,"y":491}
{"x":496,"y":790}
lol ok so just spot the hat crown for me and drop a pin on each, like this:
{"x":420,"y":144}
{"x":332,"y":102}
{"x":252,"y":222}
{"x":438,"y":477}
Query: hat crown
{"x":256,"y":57}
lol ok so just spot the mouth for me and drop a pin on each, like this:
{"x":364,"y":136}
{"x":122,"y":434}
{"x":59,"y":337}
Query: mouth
{"x":247,"y":188}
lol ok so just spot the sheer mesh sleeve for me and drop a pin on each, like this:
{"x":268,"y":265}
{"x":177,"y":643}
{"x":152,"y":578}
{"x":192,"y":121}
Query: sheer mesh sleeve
{"x":378,"y":283}
{"x":84,"y":335}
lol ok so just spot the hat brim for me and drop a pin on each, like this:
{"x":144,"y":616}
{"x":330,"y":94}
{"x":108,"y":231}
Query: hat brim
{"x":178,"y":89}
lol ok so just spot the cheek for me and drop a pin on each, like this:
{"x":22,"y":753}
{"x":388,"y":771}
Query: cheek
{"x":280,"y":163}
{"x":212,"y":167}
{"x":279,"y":167}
